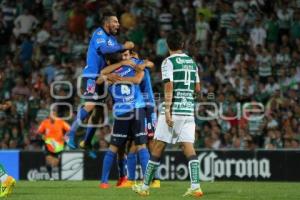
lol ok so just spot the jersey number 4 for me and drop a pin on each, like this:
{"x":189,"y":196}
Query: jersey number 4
{"x":125,"y":90}
{"x":187,"y":78}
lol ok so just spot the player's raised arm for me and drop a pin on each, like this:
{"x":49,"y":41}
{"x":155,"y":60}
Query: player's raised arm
{"x":106,"y":44}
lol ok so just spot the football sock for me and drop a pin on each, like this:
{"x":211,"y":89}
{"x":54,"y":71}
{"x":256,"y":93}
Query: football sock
{"x":150,"y":171}
{"x":108,"y":160}
{"x":131,"y":165}
{"x":122,"y":167}
{"x":81,"y":115}
{"x":90,"y":132}
{"x":144,"y":158}
{"x":194,"y":171}
{"x":3,"y":174}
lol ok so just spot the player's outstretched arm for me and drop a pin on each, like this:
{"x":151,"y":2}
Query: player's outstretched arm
{"x":109,"y":69}
{"x":147,"y":63}
{"x":137,"y":79}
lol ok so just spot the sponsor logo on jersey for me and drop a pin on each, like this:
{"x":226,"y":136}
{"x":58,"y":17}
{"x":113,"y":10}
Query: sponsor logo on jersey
{"x":100,"y":40}
{"x":90,"y":86}
{"x":110,"y":42}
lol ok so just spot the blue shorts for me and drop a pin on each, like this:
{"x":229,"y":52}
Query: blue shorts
{"x":92,"y":92}
{"x":129,"y":128}
{"x":151,"y":121}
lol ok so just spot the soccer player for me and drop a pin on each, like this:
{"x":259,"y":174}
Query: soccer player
{"x":130,"y":115}
{"x":176,"y":122}
{"x":103,"y":42}
{"x":53,"y":130}
{"x":150,"y":122}
{"x":7,"y":183}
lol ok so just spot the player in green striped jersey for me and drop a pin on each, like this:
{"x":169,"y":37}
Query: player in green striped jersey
{"x":176,"y":122}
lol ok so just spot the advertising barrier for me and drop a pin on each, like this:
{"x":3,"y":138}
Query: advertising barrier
{"x":260,"y":165}
{"x":10,"y":161}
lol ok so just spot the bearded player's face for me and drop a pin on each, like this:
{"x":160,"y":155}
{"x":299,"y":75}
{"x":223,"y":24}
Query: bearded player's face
{"x":113,"y":25}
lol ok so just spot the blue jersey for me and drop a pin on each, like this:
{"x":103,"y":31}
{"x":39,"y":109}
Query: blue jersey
{"x":126,"y":97}
{"x":146,"y":87}
{"x":100,"y":44}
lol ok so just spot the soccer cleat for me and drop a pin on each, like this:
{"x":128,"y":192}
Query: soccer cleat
{"x":155,"y":184}
{"x":7,"y":186}
{"x":140,"y":190}
{"x":194,"y":192}
{"x":126,"y":184}
{"x":104,"y":185}
{"x":121,"y":180}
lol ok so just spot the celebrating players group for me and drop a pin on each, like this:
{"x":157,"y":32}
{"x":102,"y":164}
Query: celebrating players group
{"x":136,"y":128}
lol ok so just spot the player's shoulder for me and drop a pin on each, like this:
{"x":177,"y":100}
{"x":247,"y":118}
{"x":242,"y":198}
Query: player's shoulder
{"x":99,"y":32}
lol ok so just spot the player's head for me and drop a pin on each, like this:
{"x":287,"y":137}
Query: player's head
{"x":175,"y":41}
{"x":110,"y":22}
{"x":126,"y":55}
{"x":113,"y":58}
{"x":134,"y":54}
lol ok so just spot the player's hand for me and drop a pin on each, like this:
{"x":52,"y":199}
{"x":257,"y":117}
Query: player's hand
{"x":149,"y":63}
{"x":128,"y":45}
{"x":113,"y":78}
{"x":128,"y":62}
{"x":169,"y":119}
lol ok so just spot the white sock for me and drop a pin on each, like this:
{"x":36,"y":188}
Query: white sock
{"x":195,"y":186}
{"x":3,"y":178}
{"x":145,"y":187}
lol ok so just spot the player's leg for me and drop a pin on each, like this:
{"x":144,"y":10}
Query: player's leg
{"x":52,"y":163}
{"x":89,"y":87}
{"x":194,"y":170}
{"x":96,"y":118}
{"x":108,"y":161}
{"x":186,"y":131}
{"x":163,"y":135}
{"x":131,"y":167}
{"x":151,"y":121}
{"x":81,"y":116}
{"x":118,"y":141}
{"x":131,"y":161}
{"x":7,"y":183}
{"x":140,"y":138}
{"x":122,"y":163}
{"x":153,"y":164}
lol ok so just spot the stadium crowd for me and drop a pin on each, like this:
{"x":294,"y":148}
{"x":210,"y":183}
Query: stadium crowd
{"x":247,"y":51}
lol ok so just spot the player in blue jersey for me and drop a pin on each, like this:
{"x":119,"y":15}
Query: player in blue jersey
{"x":129,"y":113}
{"x":102,"y":42}
{"x":150,"y":121}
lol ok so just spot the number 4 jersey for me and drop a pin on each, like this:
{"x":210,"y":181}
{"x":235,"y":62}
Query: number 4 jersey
{"x":183,"y":72}
{"x":126,"y":97}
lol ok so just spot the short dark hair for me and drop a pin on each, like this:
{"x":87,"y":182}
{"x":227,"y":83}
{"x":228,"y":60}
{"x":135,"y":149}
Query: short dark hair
{"x":175,"y":40}
{"x":106,"y":15}
{"x":113,"y":57}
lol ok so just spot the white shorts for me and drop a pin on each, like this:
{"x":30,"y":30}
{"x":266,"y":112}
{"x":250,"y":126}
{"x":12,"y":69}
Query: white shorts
{"x":183,"y":129}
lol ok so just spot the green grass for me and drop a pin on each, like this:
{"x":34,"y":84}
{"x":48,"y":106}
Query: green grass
{"x":86,"y":190}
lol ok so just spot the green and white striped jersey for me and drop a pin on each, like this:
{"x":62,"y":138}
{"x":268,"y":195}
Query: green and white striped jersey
{"x":183,"y":72}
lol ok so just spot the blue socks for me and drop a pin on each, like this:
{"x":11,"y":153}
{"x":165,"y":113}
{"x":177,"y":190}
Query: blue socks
{"x":144,"y":157}
{"x":108,"y":160}
{"x":81,"y":115}
{"x":131,"y":165}
{"x":90,"y":132}
{"x":122,"y":167}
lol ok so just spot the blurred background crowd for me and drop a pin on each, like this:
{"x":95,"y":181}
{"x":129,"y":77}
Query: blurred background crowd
{"x":246,"y":50}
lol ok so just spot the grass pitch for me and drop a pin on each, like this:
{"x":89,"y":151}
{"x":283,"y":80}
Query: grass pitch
{"x":88,"y":190}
